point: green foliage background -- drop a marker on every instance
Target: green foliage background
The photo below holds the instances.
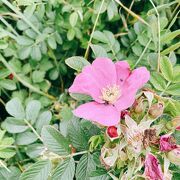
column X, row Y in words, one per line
column 40, row 41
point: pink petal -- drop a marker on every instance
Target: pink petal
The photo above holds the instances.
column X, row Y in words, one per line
column 138, row 78
column 94, row 78
column 152, row 168
column 122, row 71
column 130, row 87
column 103, row 114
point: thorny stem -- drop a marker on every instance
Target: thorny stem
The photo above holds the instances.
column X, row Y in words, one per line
column 34, row 131
column 94, row 27
column 26, row 84
column 159, row 41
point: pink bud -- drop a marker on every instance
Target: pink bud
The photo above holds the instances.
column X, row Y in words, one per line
column 167, row 143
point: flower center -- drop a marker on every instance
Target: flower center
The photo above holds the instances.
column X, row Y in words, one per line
column 111, row 93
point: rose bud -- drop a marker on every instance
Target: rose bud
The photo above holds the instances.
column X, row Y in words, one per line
column 11, row 76
column 112, row 132
column 178, row 128
column 156, row 110
column 138, row 106
column 174, row 156
column 167, row 143
column 176, row 122
column 124, row 113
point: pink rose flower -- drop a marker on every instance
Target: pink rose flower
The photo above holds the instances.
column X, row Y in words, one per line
column 111, row 85
column 166, row 143
column 153, row 169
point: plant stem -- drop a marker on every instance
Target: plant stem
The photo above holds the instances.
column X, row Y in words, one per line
column 159, row 40
column 26, row 84
column 142, row 54
column 7, row 3
column 165, row 88
column 4, row 166
column 34, row 131
column 132, row 13
column 94, row 27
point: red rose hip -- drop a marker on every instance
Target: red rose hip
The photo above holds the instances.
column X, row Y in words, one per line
column 112, row 132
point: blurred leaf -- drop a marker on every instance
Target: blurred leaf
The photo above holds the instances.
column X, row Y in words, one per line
column 26, row 138
column 32, row 110
column 73, row 18
column 8, row 84
column 54, row 141
column 38, row 171
column 166, row 69
column 77, row 63
column 65, row 170
column 15, row 108
column 85, row 166
column 98, row 51
column 174, row 89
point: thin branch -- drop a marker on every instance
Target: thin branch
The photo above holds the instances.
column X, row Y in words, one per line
column 142, row 54
column 26, row 84
column 7, row 3
column 132, row 13
column 34, row 131
column 159, row 39
column 92, row 33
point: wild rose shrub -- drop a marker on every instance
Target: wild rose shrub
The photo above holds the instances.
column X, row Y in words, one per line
column 89, row 90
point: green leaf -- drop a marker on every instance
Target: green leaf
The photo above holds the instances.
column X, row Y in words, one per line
column 166, row 69
column 98, row 51
column 85, row 166
column 38, row 76
column 8, row 84
column 52, row 42
column 34, row 150
column 77, row 135
column 100, row 174
column 13, row 174
column 100, row 36
column 36, row 53
column 171, row 48
column 26, row 138
column 15, row 108
column 4, row 73
column 24, row 40
column 3, row 44
column 43, row 119
column 24, row 52
column 38, row 171
column 80, row 97
column 177, row 136
column 158, row 81
column 65, row 170
column 32, row 110
column 174, row 89
column 55, row 141
column 73, row 18
column 77, row 63
column 7, row 153
column 13, row 125
column 66, row 113
column 169, row 36
column 176, row 74
column 70, row 34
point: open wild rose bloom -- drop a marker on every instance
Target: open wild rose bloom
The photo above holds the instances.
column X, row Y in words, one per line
column 112, row 86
